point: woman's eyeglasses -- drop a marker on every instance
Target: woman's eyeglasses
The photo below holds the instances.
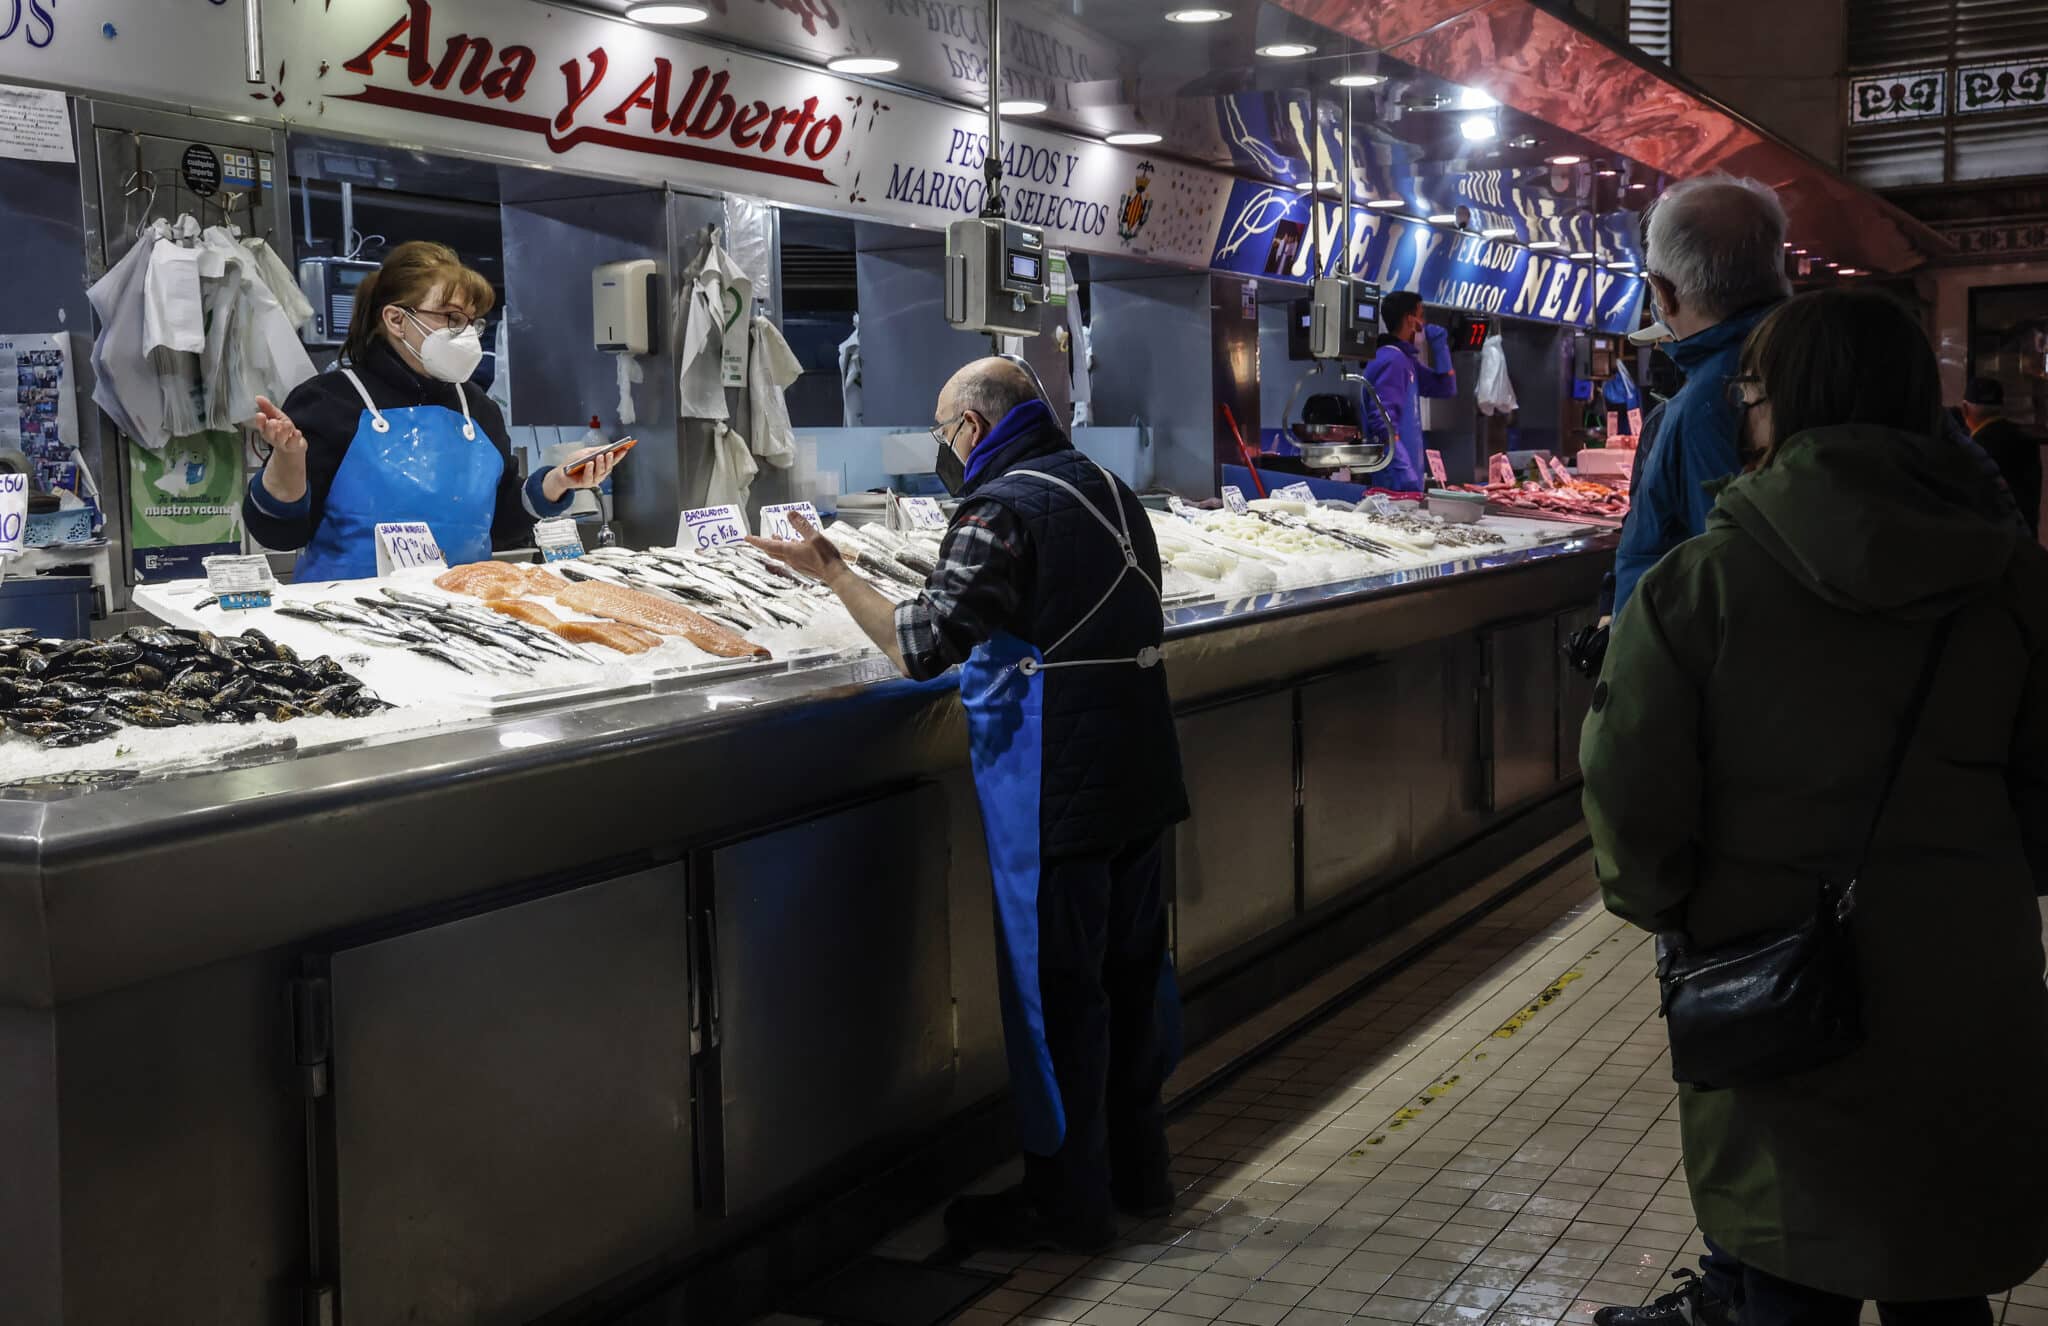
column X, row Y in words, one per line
column 449, row 318
column 1738, row 397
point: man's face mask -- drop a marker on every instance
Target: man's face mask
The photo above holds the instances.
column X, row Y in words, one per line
column 952, row 471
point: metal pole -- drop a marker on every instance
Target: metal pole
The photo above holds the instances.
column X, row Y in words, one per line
column 348, row 220
column 1350, row 164
column 1315, row 187
column 992, row 169
column 252, row 40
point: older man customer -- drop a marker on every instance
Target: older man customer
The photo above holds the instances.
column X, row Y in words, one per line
column 1715, row 266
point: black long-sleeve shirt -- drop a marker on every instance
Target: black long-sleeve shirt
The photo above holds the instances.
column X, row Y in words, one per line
column 328, row 411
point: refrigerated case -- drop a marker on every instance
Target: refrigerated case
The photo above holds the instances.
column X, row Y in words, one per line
column 468, row 1023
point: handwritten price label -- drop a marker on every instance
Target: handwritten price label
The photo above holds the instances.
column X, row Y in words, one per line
column 920, row 513
column 1379, row 506
column 711, row 527
column 407, row 545
column 13, row 513
column 1233, row 497
column 1499, row 472
column 1437, row 473
column 1297, row 492
column 776, row 524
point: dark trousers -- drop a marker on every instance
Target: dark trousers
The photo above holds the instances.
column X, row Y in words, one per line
column 1102, row 946
column 1766, row 1300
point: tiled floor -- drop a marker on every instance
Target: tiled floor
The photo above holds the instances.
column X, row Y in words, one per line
column 1491, row 1136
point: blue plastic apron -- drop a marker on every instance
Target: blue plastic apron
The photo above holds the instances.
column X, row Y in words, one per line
column 1002, row 686
column 421, row 462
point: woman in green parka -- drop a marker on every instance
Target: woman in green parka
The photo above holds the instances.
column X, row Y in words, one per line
column 1733, row 759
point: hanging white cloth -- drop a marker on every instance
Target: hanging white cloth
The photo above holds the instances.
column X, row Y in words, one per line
column 771, row 368
column 851, row 409
column 173, row 310
column 1081, row 358
column 501, row 368
column 124, row 382
column 277, row 278
column 714, row 335
column 732, row 468
column 1493, row 393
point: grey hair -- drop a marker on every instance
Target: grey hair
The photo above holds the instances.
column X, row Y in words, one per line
column 992, row 388
column 1720, row 241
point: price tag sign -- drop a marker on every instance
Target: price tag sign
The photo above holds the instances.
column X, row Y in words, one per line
column 559, row 540
column 406, row 545
column 1297, row 492
column 1499, row 473
column 1234, row 499
column 1178, row 508
column 711, row 527
column 776, row 524
column 13, row 513
column 1437, row 473
column 240, row 582
column 1380, row 505
column 1635, row 423
column 920, row 513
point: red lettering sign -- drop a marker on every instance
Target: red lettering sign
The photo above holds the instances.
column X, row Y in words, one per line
column 723, row 127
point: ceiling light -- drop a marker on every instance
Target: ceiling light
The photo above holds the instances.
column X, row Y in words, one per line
column 1443, row 218
column 862, row 64
column 1478, row 128
column 1834, row 264
column 1135, row 139
column 1387, row 204
column 1850, row 271
column 1580, row 255
column 1327, row 186
column 1566, row 160
column 1799, row 253
column 1606, row 174
column 1625, row 265
column 1498, row 232
column 667, row 15
column 1471, row 98
column 1788, row 244
column 1358, row 80
column 1638, row 186
column 1021, row 107
column 1541, row 244
column 1196, row 15
column 1287, row 50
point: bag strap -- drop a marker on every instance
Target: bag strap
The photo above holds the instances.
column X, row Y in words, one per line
column 1901, row 745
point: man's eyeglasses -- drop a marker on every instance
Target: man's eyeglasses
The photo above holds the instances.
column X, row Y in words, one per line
column 943, row 433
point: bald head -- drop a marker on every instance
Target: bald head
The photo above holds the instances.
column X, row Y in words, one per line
column 1716, row 247
column 990, row 387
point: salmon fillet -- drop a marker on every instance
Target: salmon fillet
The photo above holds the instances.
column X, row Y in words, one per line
column 484, row 580
column 635, row 608
column 613, row 635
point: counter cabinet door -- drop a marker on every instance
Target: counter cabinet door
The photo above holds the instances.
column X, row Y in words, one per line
column 511, row 1105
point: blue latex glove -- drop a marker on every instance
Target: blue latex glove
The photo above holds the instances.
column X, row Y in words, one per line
column 1439, row 347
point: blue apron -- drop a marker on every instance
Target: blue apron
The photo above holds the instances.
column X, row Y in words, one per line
column 1002, row 687
column 421, row 462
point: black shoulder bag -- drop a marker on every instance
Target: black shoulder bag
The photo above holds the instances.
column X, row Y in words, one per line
column 1770, row 1005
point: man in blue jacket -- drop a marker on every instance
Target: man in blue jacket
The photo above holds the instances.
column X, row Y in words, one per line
column 1715, row 266
column 1414, row 361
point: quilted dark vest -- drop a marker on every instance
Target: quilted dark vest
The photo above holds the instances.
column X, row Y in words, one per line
column 1112, row 769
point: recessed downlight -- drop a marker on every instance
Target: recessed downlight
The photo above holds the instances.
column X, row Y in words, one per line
column 1850, row 271
column 1286, row 50
column 1327, row 186
column 1136, row 138
column 1471, row 98
column 1639, row 186
column 1539, row 245
column 1196, row 15
column 1566, row 160
column 1443, row 218
column 667, row 15
column 1477, row 128
column 1606, row 174
column 1021, row 107
column 1387, row 204
column 1358, row 80
column 1581, row 255
column 862, row 64
column 1498, row 232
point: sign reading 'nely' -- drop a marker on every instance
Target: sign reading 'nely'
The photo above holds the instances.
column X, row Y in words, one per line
column 701, row 114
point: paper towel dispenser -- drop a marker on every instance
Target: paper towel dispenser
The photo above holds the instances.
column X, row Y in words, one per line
column 623, row 299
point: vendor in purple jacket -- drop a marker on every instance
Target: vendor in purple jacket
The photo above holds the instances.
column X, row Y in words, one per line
column 1414, row 361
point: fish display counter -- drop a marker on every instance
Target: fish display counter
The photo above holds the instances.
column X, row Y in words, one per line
column 601, row 949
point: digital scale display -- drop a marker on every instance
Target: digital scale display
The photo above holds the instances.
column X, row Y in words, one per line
column 1026, row 267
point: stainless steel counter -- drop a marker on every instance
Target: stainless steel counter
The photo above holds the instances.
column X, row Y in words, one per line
column 462, row 1025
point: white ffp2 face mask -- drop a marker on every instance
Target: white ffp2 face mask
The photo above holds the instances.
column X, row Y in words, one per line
column 451, row 356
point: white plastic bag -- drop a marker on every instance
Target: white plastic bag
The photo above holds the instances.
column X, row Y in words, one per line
column 1493, row 393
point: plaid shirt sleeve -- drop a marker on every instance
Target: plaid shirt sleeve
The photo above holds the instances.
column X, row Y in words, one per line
column 975, row 591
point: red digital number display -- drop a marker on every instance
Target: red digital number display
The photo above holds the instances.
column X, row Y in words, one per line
column 1474, row 334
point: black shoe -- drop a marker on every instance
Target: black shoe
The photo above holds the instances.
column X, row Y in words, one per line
column 1152, row 1200
column 1688, row 1305
column 1012, row 1221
